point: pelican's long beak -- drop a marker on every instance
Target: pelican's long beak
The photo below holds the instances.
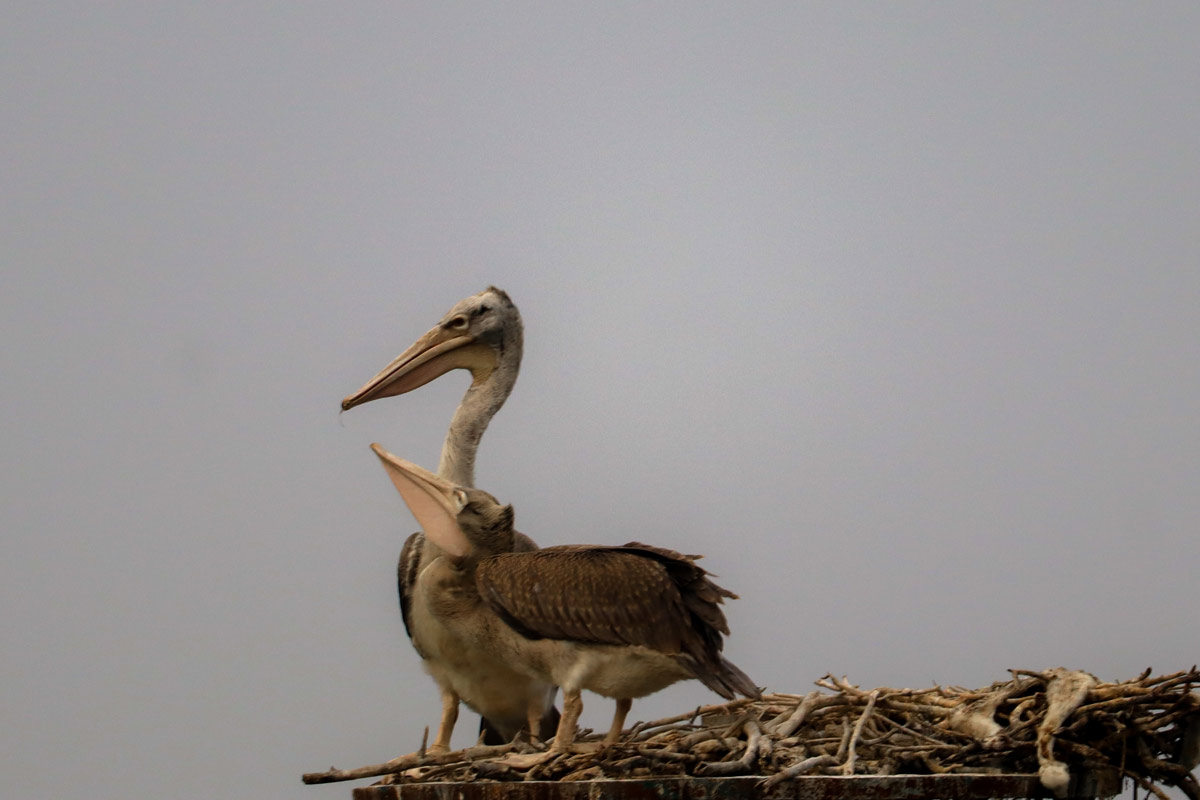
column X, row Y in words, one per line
column 433, row 355
column 434, row 501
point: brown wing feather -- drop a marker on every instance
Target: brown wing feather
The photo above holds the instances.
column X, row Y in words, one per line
column 635, row 594
column 406, row 579
column 600, row 595
column 701, row 596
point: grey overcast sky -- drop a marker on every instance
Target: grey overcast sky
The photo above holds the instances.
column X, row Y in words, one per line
column 892, row 310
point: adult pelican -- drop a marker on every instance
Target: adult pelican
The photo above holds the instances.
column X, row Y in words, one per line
column 622, row 622
column 482, row 333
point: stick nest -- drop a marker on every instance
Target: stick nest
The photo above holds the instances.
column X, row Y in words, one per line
column 1048, row 723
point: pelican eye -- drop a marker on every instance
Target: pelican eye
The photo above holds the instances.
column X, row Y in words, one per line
column 458, row 323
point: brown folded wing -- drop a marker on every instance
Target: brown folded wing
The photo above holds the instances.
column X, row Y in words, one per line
column 598, row 595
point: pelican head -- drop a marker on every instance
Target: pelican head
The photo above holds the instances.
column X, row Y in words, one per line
column 462, row 521
column 481, row 333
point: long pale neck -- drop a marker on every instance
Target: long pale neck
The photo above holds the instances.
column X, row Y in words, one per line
column 480, row 403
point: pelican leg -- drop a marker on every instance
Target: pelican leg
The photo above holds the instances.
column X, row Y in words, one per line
column 563, row 739
column 446, row 728
column 533, row 715
column 618, row 723
column 572, row 708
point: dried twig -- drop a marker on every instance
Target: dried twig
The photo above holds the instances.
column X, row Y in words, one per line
column 788, row 726
column 754, row 741
column 807, row 765
column 851, row 754
column 408, row 762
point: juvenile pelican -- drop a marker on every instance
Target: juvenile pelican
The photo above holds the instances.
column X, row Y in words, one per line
column 482, row 333
column 623, row 622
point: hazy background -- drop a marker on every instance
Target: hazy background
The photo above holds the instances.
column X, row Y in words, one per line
column 892, row 310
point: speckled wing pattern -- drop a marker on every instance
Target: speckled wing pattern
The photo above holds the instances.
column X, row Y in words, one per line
column 634, row 594
column 700, row 595
column 598, row 595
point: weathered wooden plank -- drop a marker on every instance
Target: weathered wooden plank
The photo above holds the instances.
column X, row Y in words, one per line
column 849, row 787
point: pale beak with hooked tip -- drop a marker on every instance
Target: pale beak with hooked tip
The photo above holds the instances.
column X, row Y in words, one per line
column 440, row 350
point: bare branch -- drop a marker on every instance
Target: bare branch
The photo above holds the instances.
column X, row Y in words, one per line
column 848, row 765
column 407, row 762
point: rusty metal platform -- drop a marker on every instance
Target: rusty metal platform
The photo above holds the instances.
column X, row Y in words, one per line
column 851, row 787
